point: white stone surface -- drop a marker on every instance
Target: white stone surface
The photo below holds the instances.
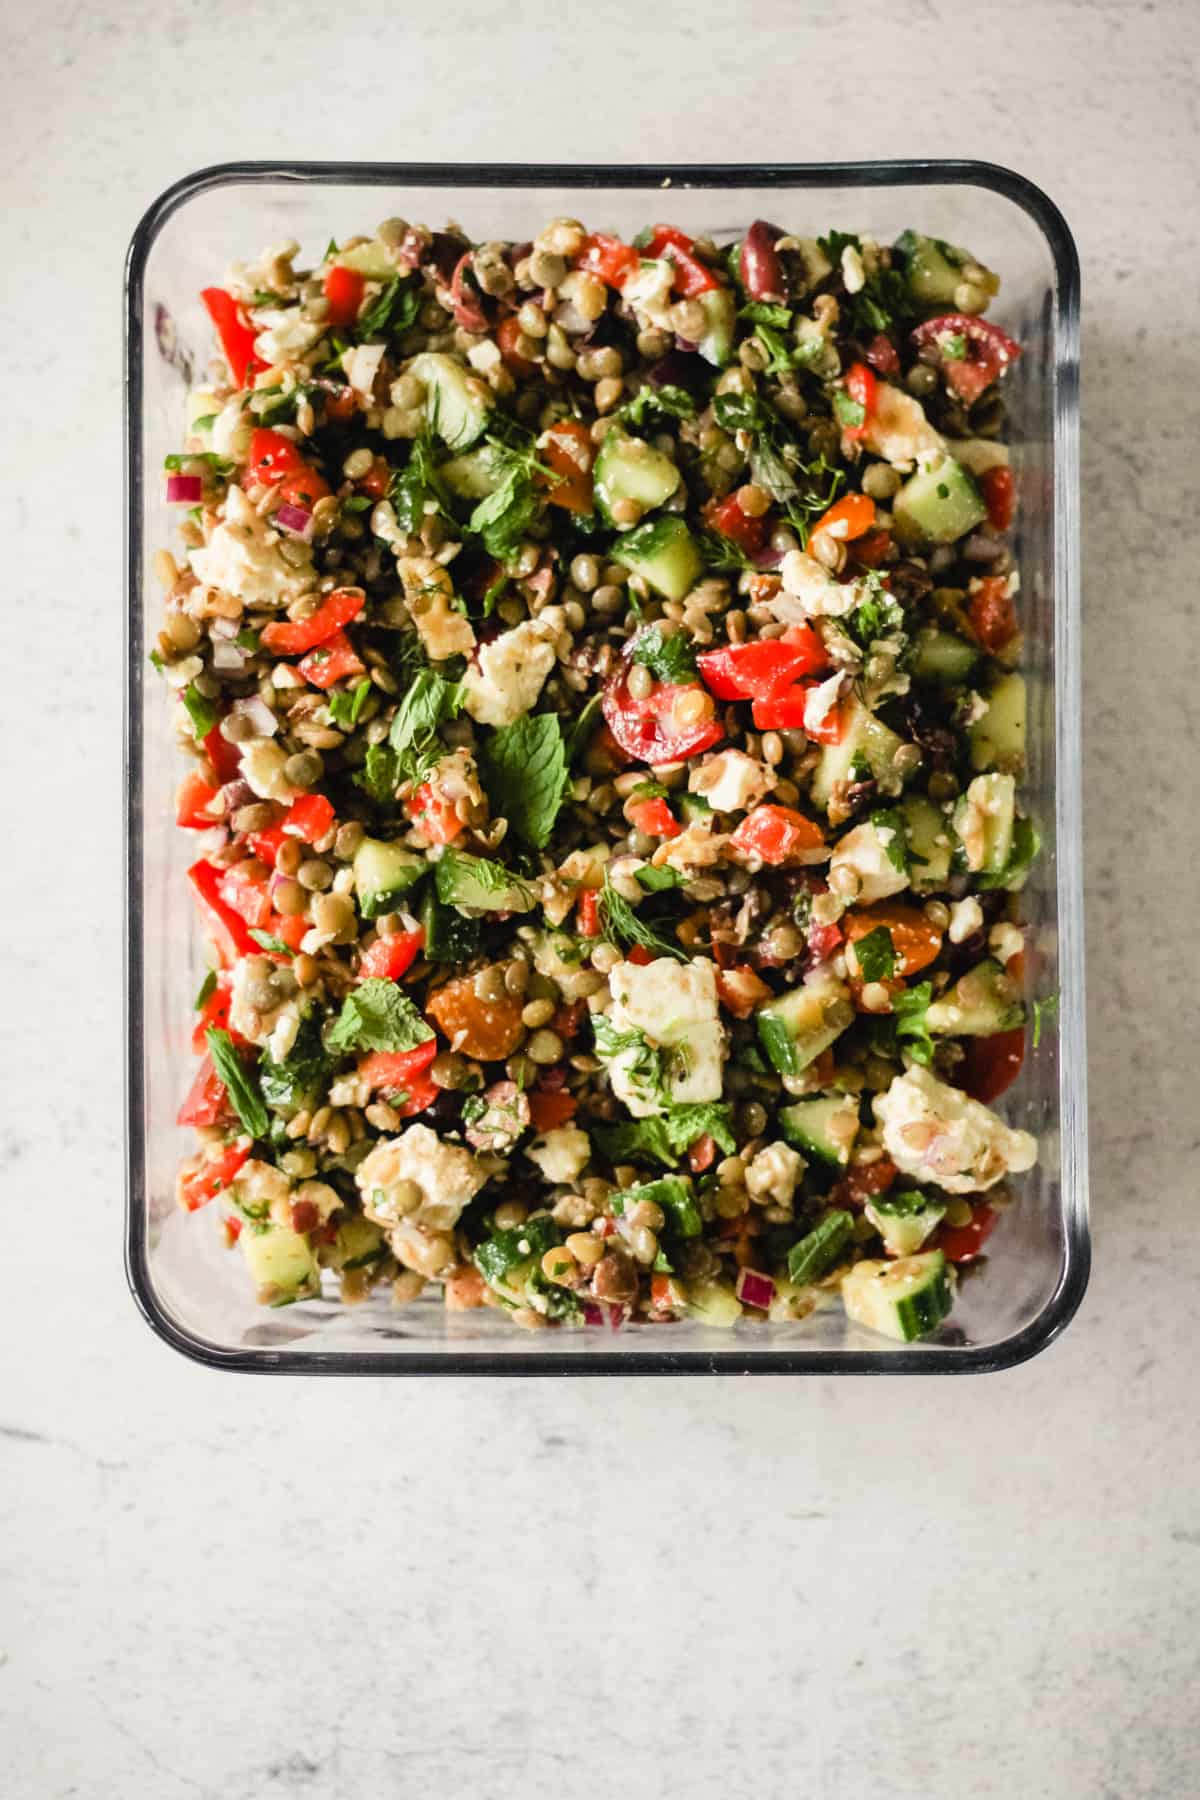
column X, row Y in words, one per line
column 243, row 1589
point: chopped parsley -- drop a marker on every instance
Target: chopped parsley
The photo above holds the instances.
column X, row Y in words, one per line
column 202, row 711
column 669, row 401
column 346, row 705
column 393, row 310
column 875, row 954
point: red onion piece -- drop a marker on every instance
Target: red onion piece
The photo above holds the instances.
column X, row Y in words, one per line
column 259, row 714
column 227, row 657
column 768, row 558
column 184, row 490
column 297, row 521
column 605, row 1312
column 755, row 1289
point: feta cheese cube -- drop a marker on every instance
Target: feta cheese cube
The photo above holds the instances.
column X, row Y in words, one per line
column 446, row 1176
column 560, row 1154
column 241, row 557
column 865, row 851
column 673, row 1007
column 508, row 675
column 966, row 916
column 771, row 1176
column 731, row 781
column 937, row 1134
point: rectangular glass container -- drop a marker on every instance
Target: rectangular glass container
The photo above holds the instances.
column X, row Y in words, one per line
column 186, row 1284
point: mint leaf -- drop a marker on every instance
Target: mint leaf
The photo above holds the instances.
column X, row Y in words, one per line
column 299, row 1078
column 429, row 702
column 668, row 1136
column 200, row 710
column 392, row 311
column 953, row 348
column 656, row 880
column 523, row 767
column 269, row 942
column 503, row 517
column 377, row 1016
column 417, row 488
column 346, row 705
column 240, row 1084
column 672, row 402
column 380, row 774
column 875, row 954
column 673, row 1194
column 669, row 658
column 818, row 1251
column 763, row 312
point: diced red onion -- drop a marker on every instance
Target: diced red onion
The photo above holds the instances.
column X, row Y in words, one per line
column 184, row 490
column 605, row 1312
column 297, row 521
column 754, row 1289
column 768, row 558
column 227, row 657
column 259, row 714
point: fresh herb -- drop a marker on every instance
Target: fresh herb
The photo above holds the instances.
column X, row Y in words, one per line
column 656, row 880
column 331, row 249
column 240, row 1084
column 208, row 987
column 721, row 552
column 247, row 639
column 156, row 662
column 908, row 1013
column 347, row 703
column 782, row 356
column 455, row 867
column 298, row 1079
column 523, row 767
column 675, row 1197
column 804, row 490
column 668, row 658
column 552, row 1300
column 876, row 616
column 643, row 1065
column 846, row 411
column 741, row 412
column 505, row 1250
column 621, row 925
column 377, row 1016
column 504, row 517
column 380, row 774
column 648, row 790
column 818, row 1251
column 884, row 298
column 417, row 490
column 875, row 954
column 953, row 347
column 356, row 503
column 269, row 942
column 430, row 701
column 494, row 593
column 393, row 310
column 205, row 422
column 669, row 401
column 763, row 312
column 888, row 824
column 202, row 711
column 909, row 1204
column 579, row 733
column 1043, row 1009
column 667, row 1136
column 218, row 464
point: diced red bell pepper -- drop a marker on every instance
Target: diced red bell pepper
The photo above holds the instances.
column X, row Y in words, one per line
column 304, row 489
column 273, row 457
column 248, row 892
column 989, row 352
column 293, row 929
column 962, row 1243
column 205, row 1178
column 227, row 927
column 226, row 758
column 609, row 258
column 785, row 712
column 309, row 818
column 847, row 518
column 378, row 479
column 739, row 988
column 884, row 357
column 267, row 844
column 235, row 332
column 861, row 385
column 391, row 957
column 759, row 670
column 568, row 452
column 550, row 1108
column 205, row 1101
column 587, row 913
column 293, row 637
column 870, row 550
column 405, row 1073
column 664, row 236
column 507, row 334
column 999, row 496
column 344, row 289
column 776, row 834
column 334, row 660
column 727, row 517
column 654, row 817
column 990, row 1065
column 692, row 276
column 650, row 730
column 862, row 1182
column 214, row 1015
column 191, row 803
column 992, row 613
column 639, row 955
column 436, row 817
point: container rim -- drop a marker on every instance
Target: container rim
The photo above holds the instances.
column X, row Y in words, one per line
column 1076, row 1264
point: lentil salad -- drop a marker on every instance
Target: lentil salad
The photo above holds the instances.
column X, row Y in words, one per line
column 600, row 665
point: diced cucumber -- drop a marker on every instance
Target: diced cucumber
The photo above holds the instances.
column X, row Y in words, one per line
column 383, row 873
column 457, row 403
column 825, row 1126
column 942, row 656
column 865, row 740
column 663, row 552
column 720, row 311
column 469, row 881
column 981, row 1003
column 450, row 936
column 904, row 1221
column 932, row 268
column 1026, row 842
column 903, row 1299
column 372, row 260
column 794, row 1029
column 998, row 738
column 938, row 504
column 628, row 468
column 281, row 1264
column 930, row 843
column 693, row 807
column 714, row 1303
column 983, row 820
column 472, row 476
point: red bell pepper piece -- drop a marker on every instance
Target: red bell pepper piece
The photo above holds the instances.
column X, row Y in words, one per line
column 654, row 817
column 435, row 817
column 992, row 613
column 776, row 834
column 334, row 660
column 205, row 1100
column 308, row 818
column 692, row 276
column 785, row 712
column 727, row 517
column 990, row 1065
column 756, row 671
column 884, row 357
column 568, row 452
column 226, row 925
column 639, row 955
column 214, row 1016
column 549, row 1108
column 247, row 892
column 378, row 479
column 293, row 637
column 393, row 1071
column 861, row 386
column 273, row 457
column 391, row 957
column 205, row 1178
column 847, row 518
column 870, row 550
column 989, row 352
column 235, row 332
column 226, row 758
column 962, row 1243
column 609, row 258
column 344, row 290
column 267, row 844
column 702, row 1154
column 293, row 929
column 999, row 496
column 865, row 1180
column 587, row 913
column 191, row 802
column 507, row 333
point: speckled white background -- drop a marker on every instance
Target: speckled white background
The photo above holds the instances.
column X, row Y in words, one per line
column 244, row 1589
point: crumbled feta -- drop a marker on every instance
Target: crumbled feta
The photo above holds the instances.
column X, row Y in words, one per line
column 262, row 767
column 179, row 674
column 674, row 1007
column 285, row 334
column 446, row 1178
column 241, row 557
column 1005, row 941
column 454, row 778
column 966, row 916
column 937, row 1134
column 771, row 1176
column 865, row 851
column 262, row 1191
column 361, row 366
column 560, row 1154
column 429, row 596
column 648, row 291
column 731, row 781
column 485, row 355
column 283, row 1031
column 557, row 956
column 820, row 701
column 507, row 677
column 232, row 430
column 698, row 846
column 898, row 430
column 810, row 591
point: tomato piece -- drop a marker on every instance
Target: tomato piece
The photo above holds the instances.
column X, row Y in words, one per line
column 293, row 637
column 654, row 817
column 587, row 913
column 785, row 711
column 194, row 796
column 650, row 730
column 568, row 451
column 235, row 332
column 378, row 479
column 344, row 289
column 989, row 352
column 267, row 844
column 884, row 357
column 308, row 818
column 863, row 388
column 860, row 1183
column 870, row 550
column 757, row 671
column 727, row 517
column 962, row 1243
column 849, row 517
column 740, row 989
column 702, row 1154
column 341, row 405
column 202, row 1178
column 664, row 237
column 692, row 275
column 507, row 333
column 776, row 835
column 273, row 457
column 389, row 1070
column 993, row 614
column 999, row 496
column 246, row 890
column 302, row 489
column 487, row 1029
column 226, row 758
column 608, row 257
column 464, row 1290
column 226, row 926
column 823, row 940
column 205, row 1101
column 435, row 816
column 292, row 930
column 391, row 957
column 915, row 941
column 639, row 955
column 214, row 1015
column 550, row 1108
column 334, row 660
column 990, row 1065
